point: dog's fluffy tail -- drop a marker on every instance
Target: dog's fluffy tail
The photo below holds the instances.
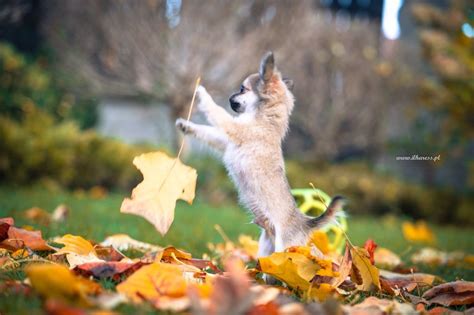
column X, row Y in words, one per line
column 334, row 207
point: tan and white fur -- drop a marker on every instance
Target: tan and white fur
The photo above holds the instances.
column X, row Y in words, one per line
column 251, row 146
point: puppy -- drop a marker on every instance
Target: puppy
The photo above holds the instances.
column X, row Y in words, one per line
column 252, row 154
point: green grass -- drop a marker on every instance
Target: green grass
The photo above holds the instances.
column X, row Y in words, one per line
column 193, row 228
column 94, row 219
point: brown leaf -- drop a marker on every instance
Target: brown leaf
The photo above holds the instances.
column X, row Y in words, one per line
column 4, row 231
column 56, row 307
column 165, row 180
column 108, row 269
column 344, row 268
column 231, row 292
column 407, row 281
column 451, row 293
column 108, row 253
column 170, row 251
column 385, row 258
column 14, row 287
column 30, row 239
column 37, row 215
column 8, row 220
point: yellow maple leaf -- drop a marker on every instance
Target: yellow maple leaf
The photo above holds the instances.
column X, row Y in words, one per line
column 165, row 180
column 75, row 244
column 320, row 239
column 296, row 267
column 57, row 282
column 153, row 281
column 367, row 274
column 418, row 232
column 320, row 292
column 249, row 245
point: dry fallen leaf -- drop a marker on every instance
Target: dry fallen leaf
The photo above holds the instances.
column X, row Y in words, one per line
column 320, row 239
column 154, row 281
column 75, row 245
column 108, row 253
column 418, row 232
column 60, row 214
column 345, row 268
column 108, row 269
column 125, row 242
column 249, row 245
column 385, row 258
column 78, row 250
column 4, row 231
column 37, row 215
column 409, row 281
column 17, row 238
column 165, row 180
column 8, row 220
column 451, row 293
column 366, row 274
column 57, row 282
column 370, row 246
column 297, row 268
column 375, row 306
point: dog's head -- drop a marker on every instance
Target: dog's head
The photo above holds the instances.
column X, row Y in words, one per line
column 262, row 87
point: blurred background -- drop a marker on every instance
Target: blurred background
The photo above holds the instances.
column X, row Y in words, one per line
column 381, row 87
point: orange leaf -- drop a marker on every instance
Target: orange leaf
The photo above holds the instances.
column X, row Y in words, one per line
column 370, row 247
column 153, row 281
column 30, row 239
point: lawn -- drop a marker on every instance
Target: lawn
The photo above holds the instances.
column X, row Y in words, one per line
column 193, row 226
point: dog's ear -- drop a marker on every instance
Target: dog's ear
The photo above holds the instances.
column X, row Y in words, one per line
column 267, row 66
column 289, row 83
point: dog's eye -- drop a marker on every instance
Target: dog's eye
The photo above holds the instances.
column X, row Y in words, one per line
column 242, row 89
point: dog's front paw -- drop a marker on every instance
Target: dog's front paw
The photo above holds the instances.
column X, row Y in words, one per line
column 183, row 125
column 203, row 98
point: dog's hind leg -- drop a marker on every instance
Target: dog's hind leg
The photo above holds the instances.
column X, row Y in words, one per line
column 208, row 134
column 265, row 244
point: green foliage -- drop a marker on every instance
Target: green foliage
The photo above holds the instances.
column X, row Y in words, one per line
column 26, row 83
column 37, row 148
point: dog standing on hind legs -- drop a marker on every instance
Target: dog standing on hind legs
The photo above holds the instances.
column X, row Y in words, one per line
column 252, row 154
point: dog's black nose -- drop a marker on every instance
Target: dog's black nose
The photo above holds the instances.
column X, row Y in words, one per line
column 234, row 105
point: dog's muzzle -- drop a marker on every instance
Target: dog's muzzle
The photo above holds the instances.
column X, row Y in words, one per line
column 236, row 107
